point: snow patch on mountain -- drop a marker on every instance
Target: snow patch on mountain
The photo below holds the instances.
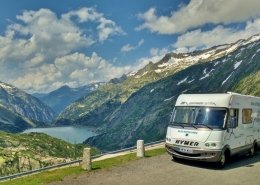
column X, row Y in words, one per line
column 252, row 39
column 227, row 79
column 237, row 64
column 132, row 73
column 224, row 60
column 238, row 55
column 168, row 99
column 182, row 81
column 206, row 74
column 8, row 88
column 216, row 63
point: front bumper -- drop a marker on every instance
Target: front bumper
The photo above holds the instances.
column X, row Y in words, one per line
column 196, row 154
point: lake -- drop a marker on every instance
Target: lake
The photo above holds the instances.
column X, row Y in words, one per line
column 70, row 134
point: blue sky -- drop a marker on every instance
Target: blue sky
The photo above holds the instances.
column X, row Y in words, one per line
column 50, row 43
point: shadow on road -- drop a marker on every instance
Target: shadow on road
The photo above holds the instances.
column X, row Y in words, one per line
column 235, row 162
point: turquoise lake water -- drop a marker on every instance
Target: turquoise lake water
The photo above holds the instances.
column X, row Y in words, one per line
column 70, row 134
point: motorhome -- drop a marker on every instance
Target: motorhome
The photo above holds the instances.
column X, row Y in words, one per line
column 214, row 127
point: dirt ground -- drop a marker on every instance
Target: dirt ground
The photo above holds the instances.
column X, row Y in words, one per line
column 161, row 170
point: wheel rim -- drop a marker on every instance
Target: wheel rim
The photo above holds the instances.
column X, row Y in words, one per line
column 223, row 159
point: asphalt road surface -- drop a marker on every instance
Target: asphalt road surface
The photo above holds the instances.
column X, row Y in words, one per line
column 162, row 170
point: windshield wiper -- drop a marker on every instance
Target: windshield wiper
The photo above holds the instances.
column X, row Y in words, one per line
column 175, row 123
column 188, row 125
column 205, row 125
column 183, row 125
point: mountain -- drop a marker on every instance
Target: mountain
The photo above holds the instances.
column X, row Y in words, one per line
column 19, row 110
column 145, row 114
column 13, row 122
column 65, row 95
column 23, row 152
column 95, row 108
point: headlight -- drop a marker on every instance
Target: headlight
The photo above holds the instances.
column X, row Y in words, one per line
column 213, row 144
column 168, row 139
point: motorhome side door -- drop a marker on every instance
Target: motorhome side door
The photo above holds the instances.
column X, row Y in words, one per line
column 235, row 135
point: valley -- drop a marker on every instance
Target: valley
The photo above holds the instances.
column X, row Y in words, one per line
column 135, row 106
column 139, row 106
column 105, row 74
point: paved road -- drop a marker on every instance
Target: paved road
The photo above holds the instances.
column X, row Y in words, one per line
column 161, row 170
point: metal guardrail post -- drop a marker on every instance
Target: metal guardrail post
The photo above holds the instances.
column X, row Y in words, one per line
column 86, row 160
column 140, row 148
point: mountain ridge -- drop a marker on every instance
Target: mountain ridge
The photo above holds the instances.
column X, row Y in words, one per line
column 83, row 110
column 22, row 108
column 145, row 115
column 65, row 95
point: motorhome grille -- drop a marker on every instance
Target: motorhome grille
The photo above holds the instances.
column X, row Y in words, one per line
column 185, row 154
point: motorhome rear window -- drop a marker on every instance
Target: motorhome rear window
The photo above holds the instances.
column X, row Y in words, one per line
column 247, row 116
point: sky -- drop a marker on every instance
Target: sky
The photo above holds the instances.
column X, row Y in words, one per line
column 47, row 44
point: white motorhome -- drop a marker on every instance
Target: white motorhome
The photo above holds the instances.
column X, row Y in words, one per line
column 213, row 127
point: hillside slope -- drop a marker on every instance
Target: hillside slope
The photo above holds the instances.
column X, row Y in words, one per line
column 23, row 152
column 24, row 104
column 95, row 108
column 146, row 112
column 250, row 84
column 13, row 122
column 19, row 110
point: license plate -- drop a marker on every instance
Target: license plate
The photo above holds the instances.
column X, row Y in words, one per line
column 186, row 150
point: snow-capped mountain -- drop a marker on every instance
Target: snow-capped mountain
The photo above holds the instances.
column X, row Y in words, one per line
column 145, row 114
column 173, row 62
column 110, row 96
column 138, row 106
column 24, row 105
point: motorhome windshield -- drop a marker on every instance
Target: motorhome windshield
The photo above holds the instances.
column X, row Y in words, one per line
column 199, row 117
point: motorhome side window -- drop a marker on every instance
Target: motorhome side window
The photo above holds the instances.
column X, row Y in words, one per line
column 247, row 116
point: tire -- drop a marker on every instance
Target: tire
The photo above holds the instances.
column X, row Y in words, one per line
column 223, row 160
column 252, row 150
column 175, row 158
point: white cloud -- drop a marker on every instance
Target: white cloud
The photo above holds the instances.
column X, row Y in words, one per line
column 158, row 52
column 105, row 28
column 156, row 55
column 74, row 70
column 126, row 48
column 198, row 13
column 108, row 28
column 140, row 43
column 31, row 48
column 84, row 14
column 219, row 35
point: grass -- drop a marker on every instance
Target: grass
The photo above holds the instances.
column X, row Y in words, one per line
column 2, row 160
column 59, row 174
